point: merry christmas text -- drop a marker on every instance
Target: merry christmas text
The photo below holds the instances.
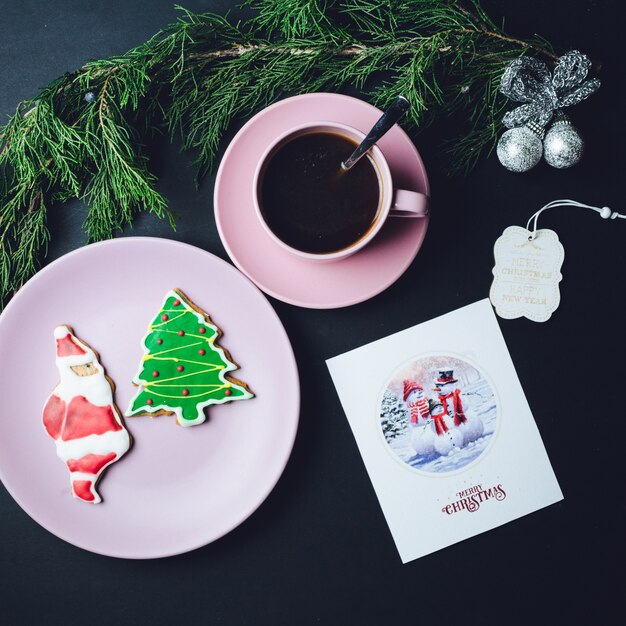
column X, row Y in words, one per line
column 471, row 499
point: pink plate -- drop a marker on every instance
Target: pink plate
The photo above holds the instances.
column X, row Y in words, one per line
column 276, row 271
column 177, row 488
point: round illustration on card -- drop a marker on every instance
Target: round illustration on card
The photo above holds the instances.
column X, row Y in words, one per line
column 438, row 413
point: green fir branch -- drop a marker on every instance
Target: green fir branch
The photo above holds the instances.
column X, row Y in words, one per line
column 297, row 19
column 82, row 136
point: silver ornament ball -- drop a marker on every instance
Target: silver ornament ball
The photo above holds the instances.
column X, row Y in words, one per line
column 519, row 149
column 563, row 146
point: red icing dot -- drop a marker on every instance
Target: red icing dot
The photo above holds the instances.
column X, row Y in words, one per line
column 227, row 392
column 202, row 352
column 165, row 317
column 149, row 401
column 155, row 373
column 181, row 333
column 202, row 330
column 159, row 341
column 176, row 302
column 185, row 392
column 180, row 368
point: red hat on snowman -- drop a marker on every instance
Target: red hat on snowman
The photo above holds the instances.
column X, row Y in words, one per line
column 409, row 386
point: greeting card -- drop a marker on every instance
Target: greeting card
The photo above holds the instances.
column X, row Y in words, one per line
column 444, row 429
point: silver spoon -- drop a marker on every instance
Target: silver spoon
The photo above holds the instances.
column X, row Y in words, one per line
column 397, row 109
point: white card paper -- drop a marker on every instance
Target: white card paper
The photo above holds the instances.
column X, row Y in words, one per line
column 445, row 430
column 527, row 274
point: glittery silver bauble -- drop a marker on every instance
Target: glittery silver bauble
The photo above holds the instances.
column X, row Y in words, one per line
column 563, row 146
column 519, row 149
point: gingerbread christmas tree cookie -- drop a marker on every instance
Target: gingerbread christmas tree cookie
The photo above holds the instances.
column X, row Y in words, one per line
column 183, row 369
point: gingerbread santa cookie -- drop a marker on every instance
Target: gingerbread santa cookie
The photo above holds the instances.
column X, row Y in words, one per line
column 81, row 416
column 183, row 369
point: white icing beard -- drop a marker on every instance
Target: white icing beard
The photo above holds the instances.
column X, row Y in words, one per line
column 95, row 388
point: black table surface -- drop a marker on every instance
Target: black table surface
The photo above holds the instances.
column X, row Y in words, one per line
column 318, row 549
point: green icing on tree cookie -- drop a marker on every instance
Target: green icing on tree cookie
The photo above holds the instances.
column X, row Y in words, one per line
column 183, row 369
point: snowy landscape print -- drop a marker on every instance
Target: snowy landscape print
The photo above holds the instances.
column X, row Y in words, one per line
column 438, row 413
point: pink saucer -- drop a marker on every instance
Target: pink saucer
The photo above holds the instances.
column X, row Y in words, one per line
column 282, row 275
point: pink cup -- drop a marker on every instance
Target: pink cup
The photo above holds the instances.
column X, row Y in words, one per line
column 392, row 202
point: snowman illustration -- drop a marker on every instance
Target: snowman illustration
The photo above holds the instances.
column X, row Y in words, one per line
column 449, row 396
column 416, row 401
column 422, row 435
column 447, row 438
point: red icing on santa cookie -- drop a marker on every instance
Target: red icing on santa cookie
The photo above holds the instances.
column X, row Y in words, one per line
column 84, row 418
column 90, row 463
column 83, row 490
column 81, row 416
column 53, row 415
column 67, row 347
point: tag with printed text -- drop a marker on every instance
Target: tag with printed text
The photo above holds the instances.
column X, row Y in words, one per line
column 527, row 274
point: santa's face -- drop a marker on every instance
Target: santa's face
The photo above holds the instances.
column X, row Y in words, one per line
column 415, row 395
column 447, row 388
column 88, row 369
column 84, row 378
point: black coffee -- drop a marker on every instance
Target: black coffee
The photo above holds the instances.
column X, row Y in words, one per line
column 309, row 202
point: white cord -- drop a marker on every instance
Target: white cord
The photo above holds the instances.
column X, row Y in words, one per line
column 605, row 212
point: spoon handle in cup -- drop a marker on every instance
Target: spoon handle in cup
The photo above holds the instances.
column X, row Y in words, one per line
column 397, row 109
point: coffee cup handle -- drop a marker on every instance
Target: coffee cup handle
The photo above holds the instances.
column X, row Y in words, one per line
column 409, row 204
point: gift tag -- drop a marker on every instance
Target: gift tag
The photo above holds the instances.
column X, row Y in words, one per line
column 527, row 274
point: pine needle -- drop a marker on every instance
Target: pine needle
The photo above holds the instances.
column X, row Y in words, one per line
column 82, row 136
